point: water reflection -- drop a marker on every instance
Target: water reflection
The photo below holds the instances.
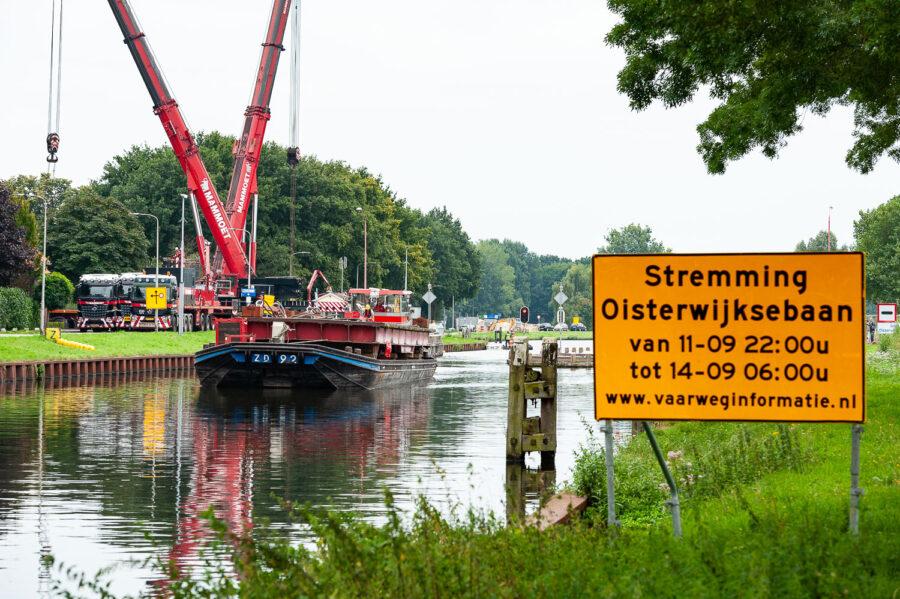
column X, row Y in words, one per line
column 87, row 470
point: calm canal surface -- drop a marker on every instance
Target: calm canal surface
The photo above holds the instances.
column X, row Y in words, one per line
column 96, row 475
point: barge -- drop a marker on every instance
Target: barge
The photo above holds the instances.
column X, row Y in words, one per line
column 374, row 342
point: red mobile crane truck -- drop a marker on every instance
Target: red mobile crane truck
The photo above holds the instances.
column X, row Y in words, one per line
column 217, row 292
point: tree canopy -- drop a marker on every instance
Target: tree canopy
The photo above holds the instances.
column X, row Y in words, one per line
column 513, row 276
column 819, row 243
column 91, row 233
column 332, row 201
column 18, row 255
column 632, row 239
column 767, row 63
column 877, row 233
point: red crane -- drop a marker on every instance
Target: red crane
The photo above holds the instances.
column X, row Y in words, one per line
column 226, row 222
column 248, row 148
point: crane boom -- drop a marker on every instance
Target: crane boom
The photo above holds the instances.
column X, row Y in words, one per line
column 166, row 108
column 248, row 148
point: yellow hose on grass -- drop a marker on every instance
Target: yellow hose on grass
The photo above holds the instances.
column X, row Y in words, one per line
column 75, row 344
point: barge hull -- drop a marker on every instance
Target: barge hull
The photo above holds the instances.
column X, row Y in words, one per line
column 304, row 365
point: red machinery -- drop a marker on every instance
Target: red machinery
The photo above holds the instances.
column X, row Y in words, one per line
column 226, row 222
column 312, row 280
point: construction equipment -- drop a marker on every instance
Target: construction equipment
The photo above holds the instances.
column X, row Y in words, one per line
column 312, row 280
column 234, row 262
column 56, row 28
column 226, row 221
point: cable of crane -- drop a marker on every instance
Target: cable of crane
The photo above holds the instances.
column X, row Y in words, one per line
column 55, row 68
column 293, row 151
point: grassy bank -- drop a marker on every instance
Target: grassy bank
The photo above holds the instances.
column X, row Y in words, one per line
column 765, row 510
column 120, row 343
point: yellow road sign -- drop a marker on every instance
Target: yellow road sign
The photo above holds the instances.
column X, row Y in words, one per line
column 774, row 337
column 575, row 320
column 156, row 298
column 52, row 334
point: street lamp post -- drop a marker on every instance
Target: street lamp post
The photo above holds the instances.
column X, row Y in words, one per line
column 155, row 310
column 291, row 267
column 365, row 249
column 43, row 259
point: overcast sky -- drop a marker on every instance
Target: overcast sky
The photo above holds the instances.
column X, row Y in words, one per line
column 505, row 112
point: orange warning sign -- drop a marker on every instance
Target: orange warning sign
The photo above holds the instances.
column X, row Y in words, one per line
column 776, row 337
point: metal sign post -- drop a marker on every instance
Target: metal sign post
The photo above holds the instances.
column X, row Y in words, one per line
column 429, row 297
column 855, row 491
column 560, row 313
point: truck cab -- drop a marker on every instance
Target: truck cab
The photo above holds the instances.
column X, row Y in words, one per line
column 97, row 297
column 126, row 287
column 142, row 317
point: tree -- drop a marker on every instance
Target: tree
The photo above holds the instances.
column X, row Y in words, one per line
column 58, row 291
column 17, row 257
column 457, row 262
column 877, row 233
column 90, row 233
column 150, row 180
column 497, row 291
column 819, row 243
column 767, row 63
column 577, row 286
column 632, row 239
column 53, row 189
column 327, row 223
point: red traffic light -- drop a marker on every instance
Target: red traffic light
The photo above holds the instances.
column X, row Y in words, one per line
column 523, row 314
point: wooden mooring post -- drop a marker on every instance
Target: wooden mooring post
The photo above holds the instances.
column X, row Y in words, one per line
column 535, row 433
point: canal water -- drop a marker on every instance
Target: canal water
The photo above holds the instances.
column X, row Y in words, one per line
column 117, row 470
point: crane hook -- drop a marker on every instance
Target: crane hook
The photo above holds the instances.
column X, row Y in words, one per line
column 52, row 147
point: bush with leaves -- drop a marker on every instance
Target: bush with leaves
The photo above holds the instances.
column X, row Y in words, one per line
column 58, row 291
column 15, row 309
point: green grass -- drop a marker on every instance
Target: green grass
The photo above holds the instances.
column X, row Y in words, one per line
column 120, row 343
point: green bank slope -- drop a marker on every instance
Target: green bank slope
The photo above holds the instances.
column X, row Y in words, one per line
column 120, row 343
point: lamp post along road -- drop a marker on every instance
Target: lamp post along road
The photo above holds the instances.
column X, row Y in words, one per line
column 46, row 203
column 291, row 266
column 156, row 278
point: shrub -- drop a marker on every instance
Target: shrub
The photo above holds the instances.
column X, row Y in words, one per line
column 58, row 291
column 15, row 309
column 704, row 463
column 884, row 342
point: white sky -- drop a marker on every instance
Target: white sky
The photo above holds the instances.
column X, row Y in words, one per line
column 506, row 112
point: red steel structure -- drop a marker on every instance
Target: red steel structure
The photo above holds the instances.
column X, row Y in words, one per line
column 248, row 148
column 226, row 222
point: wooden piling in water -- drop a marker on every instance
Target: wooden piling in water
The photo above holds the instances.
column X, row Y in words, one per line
column 536, row 433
